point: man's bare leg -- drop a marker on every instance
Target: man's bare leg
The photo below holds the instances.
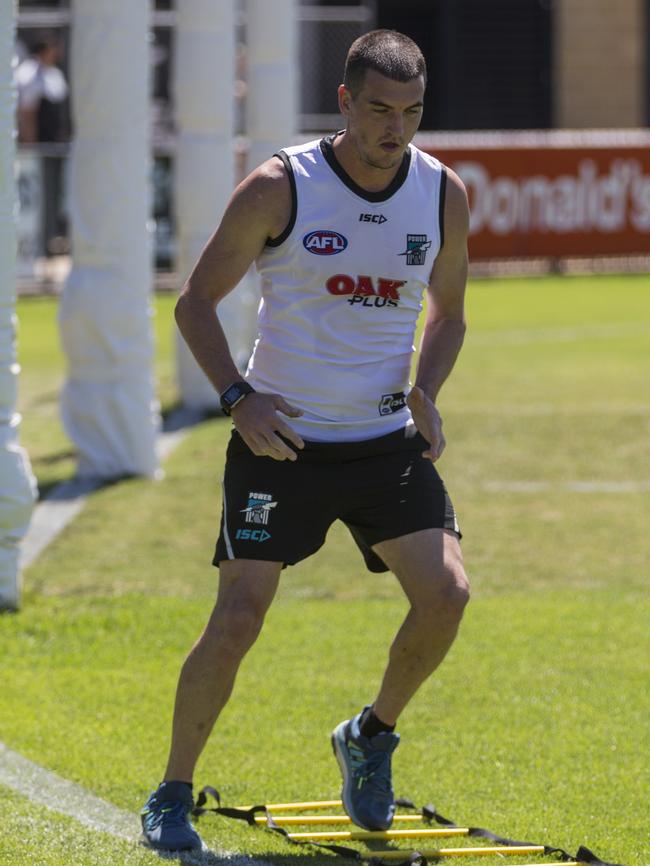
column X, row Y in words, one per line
column 429, row 566
column 246, row 590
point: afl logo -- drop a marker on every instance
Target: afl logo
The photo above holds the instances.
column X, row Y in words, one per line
column 323, row 242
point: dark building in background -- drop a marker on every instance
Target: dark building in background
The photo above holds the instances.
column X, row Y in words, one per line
column 489, row 63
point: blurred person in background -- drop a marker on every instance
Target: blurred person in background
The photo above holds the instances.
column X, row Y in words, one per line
column 43, row 117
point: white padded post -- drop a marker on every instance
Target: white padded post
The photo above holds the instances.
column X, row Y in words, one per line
column 271, row 39
column 204, row 168
column 17, row 484
column 108, row 402
column 271, row 108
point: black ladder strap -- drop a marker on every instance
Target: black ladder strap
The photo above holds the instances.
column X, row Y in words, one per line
column 428, row 813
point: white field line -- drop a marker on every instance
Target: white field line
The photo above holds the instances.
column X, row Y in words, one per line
column 43, row 786
column 52, row 515
column 46, row 788
column 60, row 795
column 64, row 503
column 591, row 486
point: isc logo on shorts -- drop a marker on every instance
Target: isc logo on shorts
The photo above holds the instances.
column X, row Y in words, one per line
column 258, row 510
column 252, row 535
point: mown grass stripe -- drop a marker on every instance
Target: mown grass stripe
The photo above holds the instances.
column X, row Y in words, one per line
column 587, row 486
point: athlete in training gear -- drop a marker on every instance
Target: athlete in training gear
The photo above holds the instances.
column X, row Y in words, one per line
column 349, row 234
column 342, row 293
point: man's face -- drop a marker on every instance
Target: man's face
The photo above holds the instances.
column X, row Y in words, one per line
column 50, row 54
column 383, row 117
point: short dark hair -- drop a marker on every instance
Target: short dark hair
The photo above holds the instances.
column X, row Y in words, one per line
column 42, row 43
column 386, row 51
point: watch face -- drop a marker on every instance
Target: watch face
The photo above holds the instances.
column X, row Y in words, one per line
column 231, row 394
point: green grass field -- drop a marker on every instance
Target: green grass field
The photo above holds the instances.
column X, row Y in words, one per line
column 536, row 726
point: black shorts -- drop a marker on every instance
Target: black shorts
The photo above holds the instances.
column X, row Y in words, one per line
column 280, row 511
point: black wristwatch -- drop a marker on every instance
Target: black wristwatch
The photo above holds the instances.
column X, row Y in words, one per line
column 234, row 394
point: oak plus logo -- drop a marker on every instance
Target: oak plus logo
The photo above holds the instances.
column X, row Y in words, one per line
column 324, row 242
column 365, row 290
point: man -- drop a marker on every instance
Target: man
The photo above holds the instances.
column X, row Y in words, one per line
column 348, row 234
column 42, row 95
column 43, row 117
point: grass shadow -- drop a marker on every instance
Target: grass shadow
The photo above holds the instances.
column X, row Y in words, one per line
column 208, row 857
column 176, row 417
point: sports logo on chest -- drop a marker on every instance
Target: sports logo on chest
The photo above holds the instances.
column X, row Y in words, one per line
column 324, row 242
column 416, row 249
column 366, row 290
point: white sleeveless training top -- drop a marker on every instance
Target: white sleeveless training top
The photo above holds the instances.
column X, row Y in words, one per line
column 342, row 289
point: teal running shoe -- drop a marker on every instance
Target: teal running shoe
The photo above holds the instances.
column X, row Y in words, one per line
column 367, row 791
column 165, row 818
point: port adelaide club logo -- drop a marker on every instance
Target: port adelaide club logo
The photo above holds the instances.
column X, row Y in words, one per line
column 416, row 249
column 324, row 242
column 257, row 511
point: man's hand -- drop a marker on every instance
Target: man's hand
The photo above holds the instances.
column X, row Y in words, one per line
column 428, row 421
column 257, row 420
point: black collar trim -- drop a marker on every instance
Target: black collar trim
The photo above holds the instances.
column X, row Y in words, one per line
column 327, row 149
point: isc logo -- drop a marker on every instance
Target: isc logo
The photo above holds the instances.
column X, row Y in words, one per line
column 252, row 534
column 390, row 403
column 324, row 242
column 378, row 218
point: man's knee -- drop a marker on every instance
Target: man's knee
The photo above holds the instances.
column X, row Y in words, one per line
column 238, row 622
column 246, row 591
column 453, row 579
column 453, row 562
column 455, row 589
column 447, row 592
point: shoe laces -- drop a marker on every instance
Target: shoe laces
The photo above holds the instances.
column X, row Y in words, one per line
column 373, row 770
column 168, row 814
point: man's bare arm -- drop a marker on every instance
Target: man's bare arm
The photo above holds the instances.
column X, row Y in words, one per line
column 259, row 208
column 252, row 215
column 444, row 328
column 27, row 125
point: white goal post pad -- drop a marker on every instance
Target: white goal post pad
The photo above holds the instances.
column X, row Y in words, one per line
column 17, row 483
column 108, row 403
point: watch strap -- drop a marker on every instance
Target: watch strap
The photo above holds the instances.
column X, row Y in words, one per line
column 234, row 394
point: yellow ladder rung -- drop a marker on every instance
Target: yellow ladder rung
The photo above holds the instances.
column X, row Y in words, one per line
column 515, row 850
column 325, row 819
column 360, row 835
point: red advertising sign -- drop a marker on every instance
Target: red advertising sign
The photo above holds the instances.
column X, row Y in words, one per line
column 552, row 194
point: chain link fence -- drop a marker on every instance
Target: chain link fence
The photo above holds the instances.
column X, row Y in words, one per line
column 325, row 35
